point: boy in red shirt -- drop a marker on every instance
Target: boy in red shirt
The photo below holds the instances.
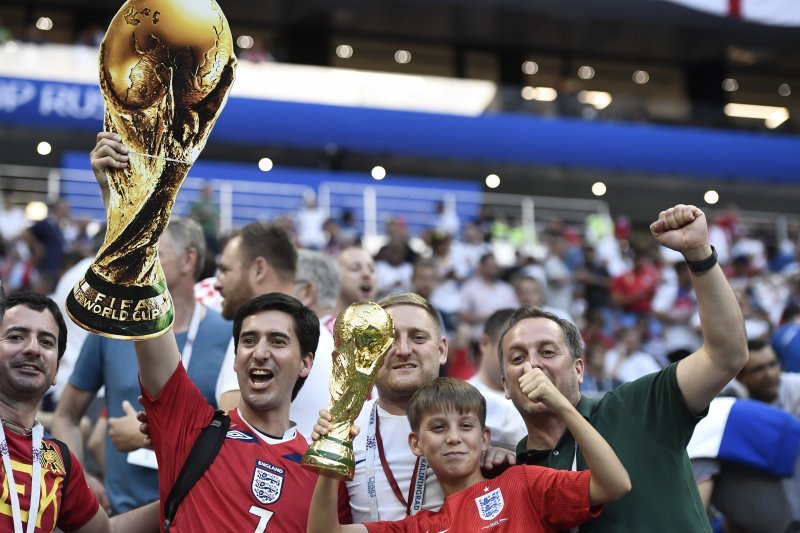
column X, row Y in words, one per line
column 448, row 427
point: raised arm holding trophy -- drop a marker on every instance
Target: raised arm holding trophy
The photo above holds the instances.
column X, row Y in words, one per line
column 166, row 67
column 362, row 335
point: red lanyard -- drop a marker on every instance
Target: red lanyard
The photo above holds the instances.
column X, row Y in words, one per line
column 388, row 471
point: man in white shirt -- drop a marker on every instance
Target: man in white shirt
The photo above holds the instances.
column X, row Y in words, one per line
column 766, row 382
column 508, row 427
column 261, row 259
column 483, row 295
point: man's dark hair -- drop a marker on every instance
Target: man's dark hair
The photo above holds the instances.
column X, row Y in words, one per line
column 306, row 323
column 571, row 334
column 40, row 303
column 273, row 243
column 494, row 324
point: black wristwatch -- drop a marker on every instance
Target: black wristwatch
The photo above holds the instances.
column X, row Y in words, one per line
column 704, row 264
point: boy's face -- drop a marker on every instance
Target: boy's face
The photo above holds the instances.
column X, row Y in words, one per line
column 452, row 442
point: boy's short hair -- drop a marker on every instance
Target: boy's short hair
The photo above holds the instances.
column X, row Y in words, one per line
column 443, row 395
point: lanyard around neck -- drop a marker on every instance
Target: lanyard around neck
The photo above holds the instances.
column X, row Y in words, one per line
column 36, row 479
column 416, row 490
column 194, row 326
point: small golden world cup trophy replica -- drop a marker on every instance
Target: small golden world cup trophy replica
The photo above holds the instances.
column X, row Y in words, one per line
column 362, row 335
column 166, row 67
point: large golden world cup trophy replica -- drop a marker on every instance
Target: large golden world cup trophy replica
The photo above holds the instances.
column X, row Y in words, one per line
column 166, row 67
column 362, row 335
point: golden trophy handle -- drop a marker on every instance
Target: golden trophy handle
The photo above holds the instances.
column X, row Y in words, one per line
column 362, row 335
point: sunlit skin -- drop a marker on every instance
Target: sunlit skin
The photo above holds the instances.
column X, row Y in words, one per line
column 425, row 280
column 540, row 342
column 358, row 276
column 762, row 375
column 414, row 358
column 28, row 360
column 268, row 363
column 453, row 444
column 233, row 280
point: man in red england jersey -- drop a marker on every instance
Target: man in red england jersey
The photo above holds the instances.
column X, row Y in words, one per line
column 255, row 482
column 448, row 421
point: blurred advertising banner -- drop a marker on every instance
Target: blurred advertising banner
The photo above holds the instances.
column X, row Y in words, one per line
column 771, row 12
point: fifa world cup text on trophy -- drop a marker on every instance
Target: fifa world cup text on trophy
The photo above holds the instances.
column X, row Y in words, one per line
column 362, row 335
column 166, row 67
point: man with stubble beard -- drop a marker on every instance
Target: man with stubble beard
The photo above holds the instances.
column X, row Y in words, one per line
column 261, row 258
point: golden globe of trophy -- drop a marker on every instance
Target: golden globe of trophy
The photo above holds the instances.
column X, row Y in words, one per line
column 362, row 335
column 166, row 67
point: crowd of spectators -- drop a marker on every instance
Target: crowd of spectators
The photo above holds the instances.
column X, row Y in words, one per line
column 633, row 302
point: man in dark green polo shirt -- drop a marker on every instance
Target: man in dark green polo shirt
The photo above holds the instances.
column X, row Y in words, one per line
column 649, row 421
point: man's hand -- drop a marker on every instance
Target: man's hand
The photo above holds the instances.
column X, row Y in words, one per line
column 109, row 152
column 538, row 387
column 496, row 460
column 125, row 430
column 324, row 426
column 144, row 427
column 684, row 229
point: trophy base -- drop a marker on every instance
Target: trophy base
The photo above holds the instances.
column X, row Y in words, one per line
column 118, row 311
column 332, row 457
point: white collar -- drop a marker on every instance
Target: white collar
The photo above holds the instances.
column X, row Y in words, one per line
column 288, row 435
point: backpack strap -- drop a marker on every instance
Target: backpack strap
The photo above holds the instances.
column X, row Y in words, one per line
column 203, row 452
column 66, row 458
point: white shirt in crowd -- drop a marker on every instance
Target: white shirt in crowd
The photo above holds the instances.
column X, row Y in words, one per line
column 483, row 299
column 633, row 367
column 502, row 417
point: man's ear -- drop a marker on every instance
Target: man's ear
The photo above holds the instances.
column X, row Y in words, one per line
column 413, row 443
column 579, row 367
column 486, row 439
column 190, row 259
column 505, row 384
column 307, row 361
column 442, row 350
column 260, row 269
column 307, row 293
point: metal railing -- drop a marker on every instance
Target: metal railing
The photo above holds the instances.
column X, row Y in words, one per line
column 241, row 202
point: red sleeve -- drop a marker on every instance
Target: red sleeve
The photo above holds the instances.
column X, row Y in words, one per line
column 345, row 513
column 176, row 417
column 426, row 521
column 79, row 504
column 618, row 284
column 560, row 497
